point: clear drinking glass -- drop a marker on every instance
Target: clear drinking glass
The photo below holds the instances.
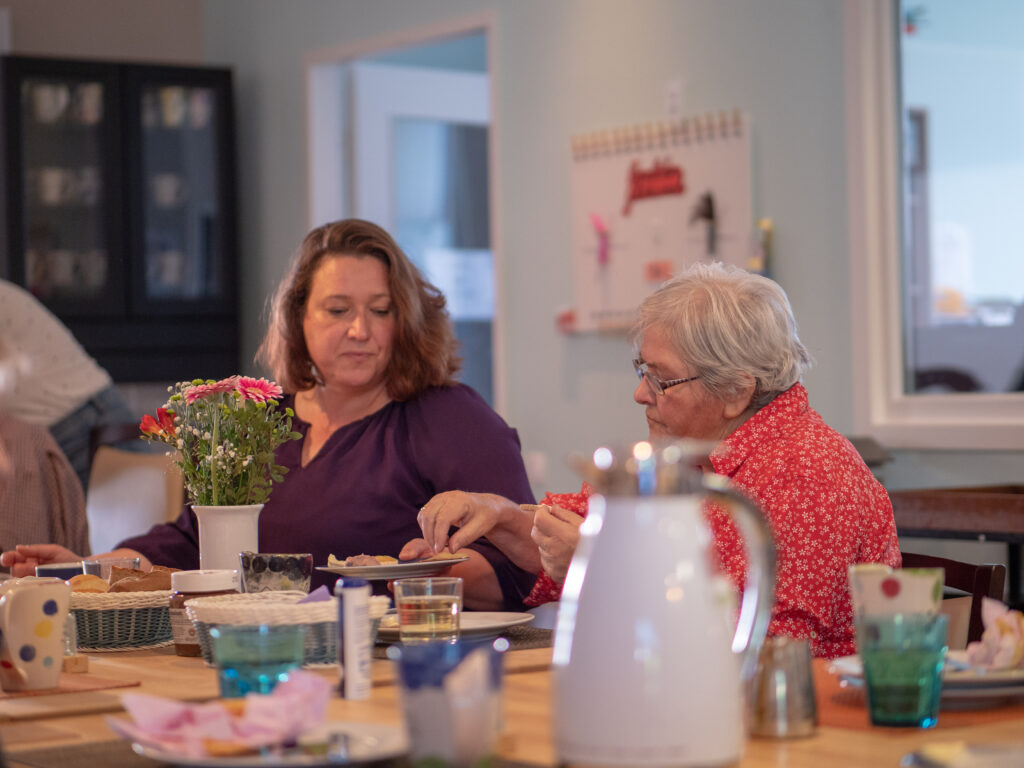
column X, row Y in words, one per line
column 428, row 609
column 903, row 655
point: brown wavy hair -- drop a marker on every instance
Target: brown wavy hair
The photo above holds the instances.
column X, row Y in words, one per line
column 424, row 351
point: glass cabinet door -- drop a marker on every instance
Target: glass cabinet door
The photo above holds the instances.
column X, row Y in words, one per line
column 180, row 193
column 66, row 250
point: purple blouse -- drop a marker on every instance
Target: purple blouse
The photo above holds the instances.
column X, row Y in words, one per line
column 361, row 493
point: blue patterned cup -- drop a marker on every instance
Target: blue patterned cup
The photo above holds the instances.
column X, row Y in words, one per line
column 262, row 572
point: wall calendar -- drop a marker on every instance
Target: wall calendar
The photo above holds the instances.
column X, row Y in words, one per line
column 649, row 201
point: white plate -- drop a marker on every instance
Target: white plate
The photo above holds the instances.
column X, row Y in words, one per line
column 471, row 623
column 367, row 743
column 393, row 570
column 957, row 684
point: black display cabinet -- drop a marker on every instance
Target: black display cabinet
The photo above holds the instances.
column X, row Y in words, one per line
column 119, row 209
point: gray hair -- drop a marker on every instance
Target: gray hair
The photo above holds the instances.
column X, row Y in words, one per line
column 731, row 326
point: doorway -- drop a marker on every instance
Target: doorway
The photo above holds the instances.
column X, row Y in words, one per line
column 400, row 135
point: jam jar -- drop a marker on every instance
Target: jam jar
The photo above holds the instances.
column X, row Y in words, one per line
column 185, row 586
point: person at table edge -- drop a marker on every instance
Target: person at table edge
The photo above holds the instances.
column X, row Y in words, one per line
column 367, row 348
column 720, row 360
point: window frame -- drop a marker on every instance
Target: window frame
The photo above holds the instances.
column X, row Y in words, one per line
column 882, row 408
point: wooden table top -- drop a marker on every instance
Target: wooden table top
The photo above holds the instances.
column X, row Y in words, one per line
column 528, row 734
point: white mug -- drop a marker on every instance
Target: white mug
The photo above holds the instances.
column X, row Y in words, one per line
column 49, row 100
column 168, row 190
column 173, row 106
column 56, row 185
column 62, row 268
column 32, row 616
column 88, row 109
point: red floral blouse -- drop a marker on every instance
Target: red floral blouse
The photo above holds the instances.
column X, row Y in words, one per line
column 826, row 510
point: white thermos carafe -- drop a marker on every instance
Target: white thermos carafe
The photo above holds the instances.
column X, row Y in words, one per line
column 649, row 658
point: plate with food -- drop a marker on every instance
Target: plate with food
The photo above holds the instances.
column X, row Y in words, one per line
column 329, row 744
column 471, row 624
column 384, row 567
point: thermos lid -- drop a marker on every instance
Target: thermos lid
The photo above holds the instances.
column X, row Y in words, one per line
column 646, row 469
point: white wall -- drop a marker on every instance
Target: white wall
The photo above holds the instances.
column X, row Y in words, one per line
column 562, row 68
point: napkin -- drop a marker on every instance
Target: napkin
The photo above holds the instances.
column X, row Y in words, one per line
column 319, row 595
column 1002, row 643
column 217, row 728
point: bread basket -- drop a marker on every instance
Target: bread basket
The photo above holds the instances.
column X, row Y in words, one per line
column 274, row 608
column 122, row 620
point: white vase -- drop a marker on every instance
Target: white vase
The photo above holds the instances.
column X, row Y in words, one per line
column 224, row 531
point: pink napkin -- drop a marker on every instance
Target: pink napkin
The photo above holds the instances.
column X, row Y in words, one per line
column 294, row 706
column 1002, row 643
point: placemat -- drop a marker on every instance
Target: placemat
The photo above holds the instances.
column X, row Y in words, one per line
column 519, row 637
column 846, row 707
column 119, row 754
column 73, row 683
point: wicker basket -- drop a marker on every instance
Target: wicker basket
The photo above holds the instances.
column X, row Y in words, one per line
column 122, row 620
column 274, row 608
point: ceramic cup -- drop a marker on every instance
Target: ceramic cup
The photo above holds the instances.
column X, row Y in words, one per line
column 32, row 615
column 49, row 101
column 265, row 572
column 88, row 103
column 173, row 106
column 168, row 190
column 56, row 185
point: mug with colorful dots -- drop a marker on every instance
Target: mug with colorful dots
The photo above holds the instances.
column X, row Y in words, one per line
column 32, row 615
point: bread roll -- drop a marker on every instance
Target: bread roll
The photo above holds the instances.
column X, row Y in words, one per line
column 117, row 573
column 88, row 582
column 148, row 582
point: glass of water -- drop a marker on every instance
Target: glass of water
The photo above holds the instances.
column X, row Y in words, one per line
column 428, row 609
column 255, row 658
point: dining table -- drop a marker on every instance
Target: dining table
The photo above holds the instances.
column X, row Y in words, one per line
column 69, row 728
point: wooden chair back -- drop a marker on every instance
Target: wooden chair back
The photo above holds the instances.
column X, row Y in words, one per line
column 978, row 581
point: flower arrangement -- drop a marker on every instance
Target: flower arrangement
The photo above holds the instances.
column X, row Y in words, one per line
column 225, row 433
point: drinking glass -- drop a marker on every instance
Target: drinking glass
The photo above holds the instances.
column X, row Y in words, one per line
column 903, row 655
column 101, row 566
column 428, row 609
column 451, row 699
column 255, row 658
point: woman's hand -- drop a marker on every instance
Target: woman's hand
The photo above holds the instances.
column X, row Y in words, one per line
column 556, row 532
column 24, row 558
column 501, row 520
column 474, row 514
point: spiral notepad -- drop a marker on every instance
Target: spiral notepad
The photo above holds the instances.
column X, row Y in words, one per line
column 649, row 200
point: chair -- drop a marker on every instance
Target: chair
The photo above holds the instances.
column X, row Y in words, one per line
column 129, row 491
column 978, row 581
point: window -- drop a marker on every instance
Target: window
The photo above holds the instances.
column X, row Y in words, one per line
column 935, row 162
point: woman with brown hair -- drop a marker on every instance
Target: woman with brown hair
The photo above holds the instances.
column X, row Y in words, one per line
column 364, row 347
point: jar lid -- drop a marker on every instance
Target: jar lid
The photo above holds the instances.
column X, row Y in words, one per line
column 204, row 581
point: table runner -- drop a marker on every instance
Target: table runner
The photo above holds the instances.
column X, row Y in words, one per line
column 519, row 637
column 119, row 754
column 846, row 707
column 73, row 683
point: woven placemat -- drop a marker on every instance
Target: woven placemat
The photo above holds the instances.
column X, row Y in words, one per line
column 119, row 754
column 520, row 638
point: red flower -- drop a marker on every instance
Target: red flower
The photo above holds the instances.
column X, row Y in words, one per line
column 257, row 390
column 161, row 426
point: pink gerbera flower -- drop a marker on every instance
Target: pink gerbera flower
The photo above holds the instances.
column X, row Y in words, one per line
column 200, row 391
column 257, row 390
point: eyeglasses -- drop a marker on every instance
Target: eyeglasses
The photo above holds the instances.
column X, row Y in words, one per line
column 657, row 386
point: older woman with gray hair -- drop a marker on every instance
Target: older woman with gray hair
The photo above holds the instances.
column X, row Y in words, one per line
column 719, row 359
